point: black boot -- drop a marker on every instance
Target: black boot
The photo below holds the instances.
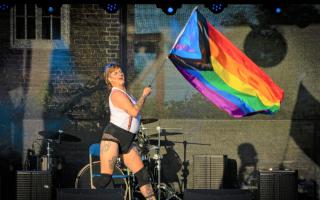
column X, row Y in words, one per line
column 103, row 181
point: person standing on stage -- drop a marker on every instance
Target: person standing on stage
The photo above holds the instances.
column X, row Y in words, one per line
column 119, row 134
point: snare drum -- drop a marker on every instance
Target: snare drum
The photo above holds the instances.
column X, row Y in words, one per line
column 83, row 178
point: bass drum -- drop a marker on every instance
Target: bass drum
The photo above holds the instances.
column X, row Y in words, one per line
column 83, row 178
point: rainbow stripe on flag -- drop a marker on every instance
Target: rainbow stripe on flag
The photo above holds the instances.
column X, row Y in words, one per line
column 221, row 72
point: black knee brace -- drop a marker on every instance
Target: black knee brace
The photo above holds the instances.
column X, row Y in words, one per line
column 143, row 177
column 103, row 181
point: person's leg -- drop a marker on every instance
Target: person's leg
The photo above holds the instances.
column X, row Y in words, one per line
column 133, row 161
column 109, row 152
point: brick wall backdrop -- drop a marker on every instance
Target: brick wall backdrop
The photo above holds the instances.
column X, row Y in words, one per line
column 52, row 88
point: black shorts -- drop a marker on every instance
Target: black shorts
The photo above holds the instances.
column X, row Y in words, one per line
column 123, row 137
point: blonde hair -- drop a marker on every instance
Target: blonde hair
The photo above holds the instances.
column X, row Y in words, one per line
column 108, row 71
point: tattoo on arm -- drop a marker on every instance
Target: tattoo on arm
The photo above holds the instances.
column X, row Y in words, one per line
column 112, row 162
column 106, row 147
column 140, row 103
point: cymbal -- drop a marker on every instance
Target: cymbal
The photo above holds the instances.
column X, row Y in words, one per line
column 164, row 133
column 148, row 120
column 54, row 135
column 162, row 143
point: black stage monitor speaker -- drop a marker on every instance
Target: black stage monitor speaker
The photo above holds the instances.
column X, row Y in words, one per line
column 89, row 194
column 278, row 185
column 224, row 194
column 34, row 185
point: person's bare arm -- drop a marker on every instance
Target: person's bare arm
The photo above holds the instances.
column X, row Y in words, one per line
column 122, row 101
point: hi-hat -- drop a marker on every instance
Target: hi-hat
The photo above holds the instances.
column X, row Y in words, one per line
column 148, row 120
column 55, row 135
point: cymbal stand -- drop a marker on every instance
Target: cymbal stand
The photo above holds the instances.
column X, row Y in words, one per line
column 158, row 158
column 49, row 150
column 142, row 132
column 60, row 133
column 170, row 192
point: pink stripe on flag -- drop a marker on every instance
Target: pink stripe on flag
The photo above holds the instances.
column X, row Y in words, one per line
column 212, row 96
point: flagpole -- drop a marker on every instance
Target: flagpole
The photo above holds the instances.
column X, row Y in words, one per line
column 157, row 72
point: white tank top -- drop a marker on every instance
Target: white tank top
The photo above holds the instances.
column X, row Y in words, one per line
column 121, row 118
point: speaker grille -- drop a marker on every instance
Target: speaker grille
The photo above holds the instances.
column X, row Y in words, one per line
column 277, row 185
column 208, row 171
column 34, row 185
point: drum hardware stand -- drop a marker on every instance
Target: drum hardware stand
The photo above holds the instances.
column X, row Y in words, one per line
column 50, row 149
column 185, row 164
column 158, row 157
column 142, row 128
column 185, row 171
column 170, row 191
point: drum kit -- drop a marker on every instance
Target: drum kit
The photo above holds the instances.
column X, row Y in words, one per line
column 147, row 145
column 149, row 150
